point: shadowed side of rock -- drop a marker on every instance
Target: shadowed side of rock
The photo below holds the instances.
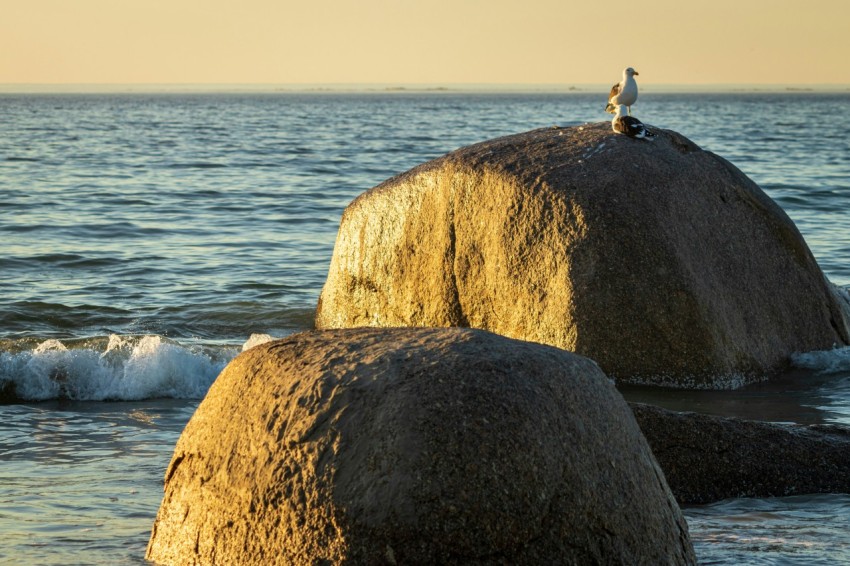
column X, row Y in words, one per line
column 661, row 261
column 707, row 458
column 414, row 446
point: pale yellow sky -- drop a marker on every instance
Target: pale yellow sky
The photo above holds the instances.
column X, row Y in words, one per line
column 424, row 41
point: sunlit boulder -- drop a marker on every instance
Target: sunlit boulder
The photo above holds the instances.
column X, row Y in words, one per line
column 659, row 260
column 414, row 446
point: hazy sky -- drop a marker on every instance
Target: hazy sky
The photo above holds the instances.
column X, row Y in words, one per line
column 424, row 41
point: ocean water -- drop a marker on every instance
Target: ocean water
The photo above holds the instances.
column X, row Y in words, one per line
column 146, row 239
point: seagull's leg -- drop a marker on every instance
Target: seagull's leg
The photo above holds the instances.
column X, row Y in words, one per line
column 629, row 109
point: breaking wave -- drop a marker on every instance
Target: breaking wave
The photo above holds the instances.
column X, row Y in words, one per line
column 126, row 368
column 824, row 362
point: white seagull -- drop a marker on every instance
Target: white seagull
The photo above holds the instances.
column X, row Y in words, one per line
column 630, row 126
column 624, row 92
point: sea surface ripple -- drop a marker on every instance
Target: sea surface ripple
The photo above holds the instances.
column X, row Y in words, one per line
column 147, row 239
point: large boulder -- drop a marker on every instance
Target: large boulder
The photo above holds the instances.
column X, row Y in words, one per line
column 414, row 446
column 659, row 260
column 707, row 458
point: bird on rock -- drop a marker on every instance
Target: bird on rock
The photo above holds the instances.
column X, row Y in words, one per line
column 624, row 92
column 630, row 125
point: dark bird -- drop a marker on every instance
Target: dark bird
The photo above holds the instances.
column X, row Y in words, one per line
column 630, row 125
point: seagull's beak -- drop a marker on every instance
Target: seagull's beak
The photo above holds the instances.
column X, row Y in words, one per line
column 636, row 73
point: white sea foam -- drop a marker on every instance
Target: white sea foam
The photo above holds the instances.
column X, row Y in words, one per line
column 832, row 361
column 843, row 292
column 256, row 340
column 727, row 382
column 126, row 368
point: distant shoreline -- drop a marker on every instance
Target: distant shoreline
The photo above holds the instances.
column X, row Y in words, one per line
column 22, row 88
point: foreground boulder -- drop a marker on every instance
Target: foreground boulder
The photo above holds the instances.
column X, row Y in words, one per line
column 661, row 261
column 707, row 458
column 414, row 446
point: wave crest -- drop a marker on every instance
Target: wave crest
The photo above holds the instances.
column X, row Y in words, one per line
column 824, row 362
column 118, row 368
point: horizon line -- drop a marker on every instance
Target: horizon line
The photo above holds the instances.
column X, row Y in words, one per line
column 390, row 87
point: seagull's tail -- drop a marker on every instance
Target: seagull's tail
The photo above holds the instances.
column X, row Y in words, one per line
column 648, row 134
column 611, row 109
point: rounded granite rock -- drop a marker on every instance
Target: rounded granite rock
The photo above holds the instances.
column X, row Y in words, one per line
column 415, row 446
column 707, row 458
column 661, row 261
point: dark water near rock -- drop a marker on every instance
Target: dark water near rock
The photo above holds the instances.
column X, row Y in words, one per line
column 146, row 238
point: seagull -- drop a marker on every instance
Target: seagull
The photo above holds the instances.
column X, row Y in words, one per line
column 630, row 126
column 624, row 92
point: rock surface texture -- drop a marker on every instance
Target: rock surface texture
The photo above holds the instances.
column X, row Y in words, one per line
column 707, row 458
column 415, row 446
column 659, row 260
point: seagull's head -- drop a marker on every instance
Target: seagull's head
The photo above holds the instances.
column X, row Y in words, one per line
column 629, row 72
